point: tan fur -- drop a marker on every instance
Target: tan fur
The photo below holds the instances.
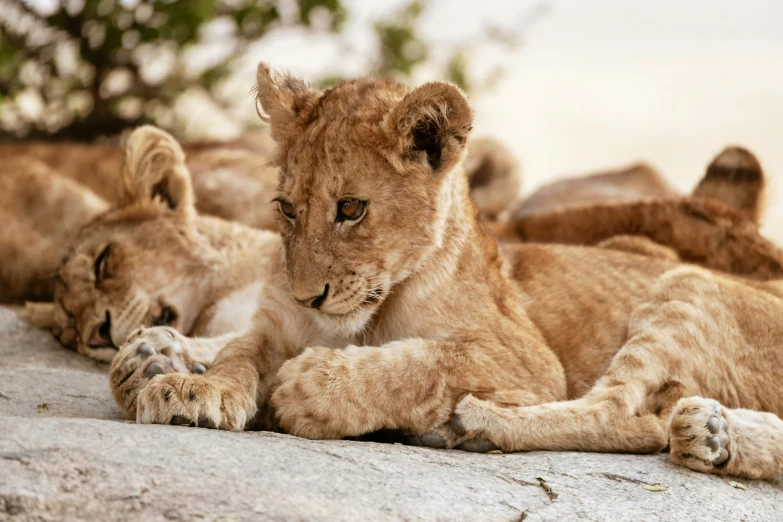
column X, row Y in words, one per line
column 54, row 209
column 494, row 177
column 734, row 178
column 640, row 245
column 228, row 177
column 716, row 227
column 633, row 183
column 423, row 314
column 701, row 231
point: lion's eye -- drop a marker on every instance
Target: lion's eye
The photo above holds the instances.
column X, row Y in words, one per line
column 350, row 209
column 286, row 208
column 100, row 264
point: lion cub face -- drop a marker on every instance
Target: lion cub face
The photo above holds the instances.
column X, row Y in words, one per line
column 138, row 264
column 367, row 170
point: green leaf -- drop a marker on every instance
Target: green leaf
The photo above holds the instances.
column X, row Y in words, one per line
column 457, row 69
column 738, row 485
column 656, row 487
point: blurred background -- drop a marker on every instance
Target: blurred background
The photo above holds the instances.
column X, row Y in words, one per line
column 570, row 86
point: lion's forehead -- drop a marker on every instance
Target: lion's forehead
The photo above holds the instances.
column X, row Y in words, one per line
column 332, row 169
column 363, row 99
column 344, row 132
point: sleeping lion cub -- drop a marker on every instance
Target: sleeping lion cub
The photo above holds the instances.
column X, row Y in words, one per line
column 390, row 307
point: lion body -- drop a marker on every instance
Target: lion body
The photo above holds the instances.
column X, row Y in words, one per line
column 407, row 315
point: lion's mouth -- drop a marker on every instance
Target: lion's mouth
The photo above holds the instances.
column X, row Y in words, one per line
column 101, row 335
column 373, row 297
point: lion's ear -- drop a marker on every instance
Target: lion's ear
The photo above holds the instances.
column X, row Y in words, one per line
column 283, row 98
column 430, row 126
column 736, row 178
column 154, row 171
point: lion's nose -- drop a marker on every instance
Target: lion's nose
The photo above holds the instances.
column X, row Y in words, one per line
column 101, row 335
column 317, row 301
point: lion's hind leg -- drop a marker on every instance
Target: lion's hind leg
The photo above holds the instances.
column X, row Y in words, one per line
column 591, row 423
column 628, row 409
column 707, row 437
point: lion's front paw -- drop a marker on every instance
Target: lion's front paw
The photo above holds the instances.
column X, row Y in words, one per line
column 312, row 400
column 445, row 437
column 699, row 434
column 474, row 422
column 194, row 400
column 454, row 434
column 148, row 352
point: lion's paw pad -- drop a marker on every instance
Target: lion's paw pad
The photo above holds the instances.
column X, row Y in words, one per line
column 478, row 446
column 699, row 434
column 428, row 440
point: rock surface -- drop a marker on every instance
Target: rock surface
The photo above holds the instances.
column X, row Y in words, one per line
column 77, row 459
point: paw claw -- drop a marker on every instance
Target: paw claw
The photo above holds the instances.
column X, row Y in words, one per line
column 179, row 420
column 722, row 457
column 456, row 424
column 206, row 422
column 198, row 368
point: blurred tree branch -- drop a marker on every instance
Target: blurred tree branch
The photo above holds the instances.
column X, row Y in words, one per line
column 80, row 69
column 102, row 49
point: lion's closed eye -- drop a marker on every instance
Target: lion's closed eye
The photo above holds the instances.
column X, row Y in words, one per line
column 100, row 264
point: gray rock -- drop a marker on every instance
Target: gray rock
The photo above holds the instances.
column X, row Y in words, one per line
column 78, row 460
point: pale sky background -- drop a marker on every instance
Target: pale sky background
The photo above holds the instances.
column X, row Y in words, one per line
column 602, row 83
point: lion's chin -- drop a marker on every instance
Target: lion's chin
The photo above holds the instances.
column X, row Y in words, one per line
column 347, row 321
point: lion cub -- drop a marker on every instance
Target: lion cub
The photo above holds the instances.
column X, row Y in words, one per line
column 715, row 227
column 392, row 308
